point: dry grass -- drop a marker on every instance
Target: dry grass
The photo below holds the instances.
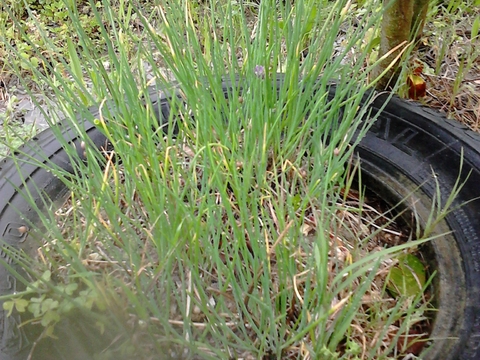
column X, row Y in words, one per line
column 451, row 59
column 353, row 235
column 363, row 225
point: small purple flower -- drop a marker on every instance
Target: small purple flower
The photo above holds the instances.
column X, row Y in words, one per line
column 259, row 71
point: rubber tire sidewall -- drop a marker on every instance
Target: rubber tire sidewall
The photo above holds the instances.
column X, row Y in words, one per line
column 399, row 153
column 414, row 159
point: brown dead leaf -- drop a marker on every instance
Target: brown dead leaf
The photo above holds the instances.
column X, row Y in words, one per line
column 416, row 86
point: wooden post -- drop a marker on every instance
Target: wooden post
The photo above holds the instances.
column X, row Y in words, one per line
column 401, row 20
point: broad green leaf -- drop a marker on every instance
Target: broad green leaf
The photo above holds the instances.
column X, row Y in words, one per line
column 49, row 304
column 46, row 276
column 21, row 305
column 50, row 317
column 8, row 306
column 34, row 308
column 49, row 331
column 407, row 278
column 70, row 288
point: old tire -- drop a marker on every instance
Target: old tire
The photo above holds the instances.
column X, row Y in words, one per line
column 399, row 155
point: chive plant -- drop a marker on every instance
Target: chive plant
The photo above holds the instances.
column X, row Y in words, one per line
column 189, row 233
